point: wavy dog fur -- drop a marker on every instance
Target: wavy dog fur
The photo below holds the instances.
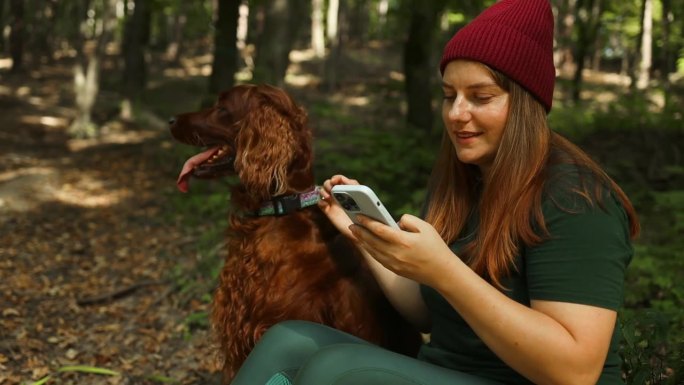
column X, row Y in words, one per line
column 295, row 266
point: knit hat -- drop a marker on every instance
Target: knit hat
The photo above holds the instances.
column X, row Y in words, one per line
column 515, row 37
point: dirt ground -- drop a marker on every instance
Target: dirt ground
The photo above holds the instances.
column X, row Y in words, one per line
column 87, row 241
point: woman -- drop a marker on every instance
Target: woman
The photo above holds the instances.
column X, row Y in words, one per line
column 517, row 271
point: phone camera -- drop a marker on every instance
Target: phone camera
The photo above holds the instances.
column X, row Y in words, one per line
column 347, row 202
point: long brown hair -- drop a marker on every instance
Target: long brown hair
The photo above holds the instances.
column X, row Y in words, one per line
column 509, row 200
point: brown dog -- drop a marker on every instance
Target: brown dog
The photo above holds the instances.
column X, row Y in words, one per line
column 285, row 260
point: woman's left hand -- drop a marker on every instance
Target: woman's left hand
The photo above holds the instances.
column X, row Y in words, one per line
column 418, row 252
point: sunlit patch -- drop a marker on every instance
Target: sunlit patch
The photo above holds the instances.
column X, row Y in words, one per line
column 50, row 121
column 90, row 192
column 128, row 137
column 5, row 63
column 25, row 189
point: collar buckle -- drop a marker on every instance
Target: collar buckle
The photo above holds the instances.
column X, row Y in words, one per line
column 286, row 204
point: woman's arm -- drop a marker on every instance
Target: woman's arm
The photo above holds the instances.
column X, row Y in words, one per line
column 403, row 293
column 549, row 342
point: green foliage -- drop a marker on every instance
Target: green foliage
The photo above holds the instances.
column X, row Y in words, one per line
column 649, row 354
column 395, row 162
column 640, row 146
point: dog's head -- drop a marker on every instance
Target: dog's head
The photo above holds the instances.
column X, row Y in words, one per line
column 256, row 132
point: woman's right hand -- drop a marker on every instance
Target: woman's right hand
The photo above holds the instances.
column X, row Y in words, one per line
column 331, row 208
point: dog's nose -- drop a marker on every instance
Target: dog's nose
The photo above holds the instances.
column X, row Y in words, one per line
column 172, row 120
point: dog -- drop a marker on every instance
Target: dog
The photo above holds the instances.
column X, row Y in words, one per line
column 285, row 259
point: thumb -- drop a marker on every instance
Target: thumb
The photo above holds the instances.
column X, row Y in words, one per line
column 410, row 223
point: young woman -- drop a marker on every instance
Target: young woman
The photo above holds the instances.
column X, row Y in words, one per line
column 517, row 269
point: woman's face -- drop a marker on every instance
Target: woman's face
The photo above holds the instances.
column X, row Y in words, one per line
column 474, row 111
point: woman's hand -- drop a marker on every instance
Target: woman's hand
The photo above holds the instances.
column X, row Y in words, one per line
column 331, row 208
column 416, row 251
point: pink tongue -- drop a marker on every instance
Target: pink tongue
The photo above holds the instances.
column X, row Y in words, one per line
column 190, row 164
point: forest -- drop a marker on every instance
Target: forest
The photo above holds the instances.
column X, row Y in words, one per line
column 107, row 271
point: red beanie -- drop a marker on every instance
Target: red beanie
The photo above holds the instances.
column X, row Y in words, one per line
column 515, row 37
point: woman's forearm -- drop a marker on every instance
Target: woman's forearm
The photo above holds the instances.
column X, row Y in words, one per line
column 403, row 294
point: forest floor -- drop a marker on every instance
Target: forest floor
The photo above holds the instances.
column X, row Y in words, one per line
column 88, row 241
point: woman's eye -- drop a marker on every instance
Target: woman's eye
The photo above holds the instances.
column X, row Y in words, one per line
column 449, row 97
column 483, row 98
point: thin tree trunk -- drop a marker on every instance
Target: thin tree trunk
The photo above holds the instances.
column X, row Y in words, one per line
column 317, row 28
column 2, row 26
column 136, row 39
column 418, row 65
column 645, row 61
column 87, row 72
column 666, row 55
column 16, row 37
column 564, row 26
column 332, row 19
column 177, row 23
column 636, row 57
column 587, row 16
column 225, row 47
column 86, row 87
column 337, row 25
column 277, row 39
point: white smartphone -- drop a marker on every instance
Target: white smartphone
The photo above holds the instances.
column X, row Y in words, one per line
column 359, row 199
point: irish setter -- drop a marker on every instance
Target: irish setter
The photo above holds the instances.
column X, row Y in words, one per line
column 284, row 261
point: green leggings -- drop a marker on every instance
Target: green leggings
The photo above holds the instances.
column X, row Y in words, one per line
column 313, row 354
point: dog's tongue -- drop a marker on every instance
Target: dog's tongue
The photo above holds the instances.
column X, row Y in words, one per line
column 190, row 164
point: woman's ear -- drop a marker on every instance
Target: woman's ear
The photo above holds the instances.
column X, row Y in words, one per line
column 265, row 149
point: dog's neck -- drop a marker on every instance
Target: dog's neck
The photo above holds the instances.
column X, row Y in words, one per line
column 288, row 203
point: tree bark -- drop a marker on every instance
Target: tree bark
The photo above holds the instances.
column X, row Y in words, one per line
column 136, row 39
column 419, row 68
column 87, row 72
column 587, row 17
column 276, row 41
column 225, row 47
column 666, row 54
column 337, row 25
column 317, row 28
column 645, row 61
column 16, row 37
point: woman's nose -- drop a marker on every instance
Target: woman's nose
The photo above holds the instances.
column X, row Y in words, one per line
column 459, row 110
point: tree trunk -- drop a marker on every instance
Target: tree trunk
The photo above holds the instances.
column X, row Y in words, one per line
column 85, row 88
column 666, row 55
column 136, row 38
column 225, row 47
column 419, row 68
column 337, row 24
column 587, row 17
column 358, row 21
column 565, row 25
column 176, row 27
column 2, row 26
column 87, row 72
column 16, row 37
column 645, row 61
column 332, row 19
column 277, row 40
column 317, row 28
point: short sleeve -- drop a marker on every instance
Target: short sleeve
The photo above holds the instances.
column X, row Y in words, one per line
column 585, row 256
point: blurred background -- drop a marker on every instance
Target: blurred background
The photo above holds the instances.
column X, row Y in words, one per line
column 107, row 271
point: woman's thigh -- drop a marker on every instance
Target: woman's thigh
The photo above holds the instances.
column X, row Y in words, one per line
column 353, row 364
column 285, row 347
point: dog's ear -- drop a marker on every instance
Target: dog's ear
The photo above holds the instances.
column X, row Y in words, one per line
column 265, row 150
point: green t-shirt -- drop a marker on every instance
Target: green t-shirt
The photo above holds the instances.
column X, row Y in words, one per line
column 583, row 261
